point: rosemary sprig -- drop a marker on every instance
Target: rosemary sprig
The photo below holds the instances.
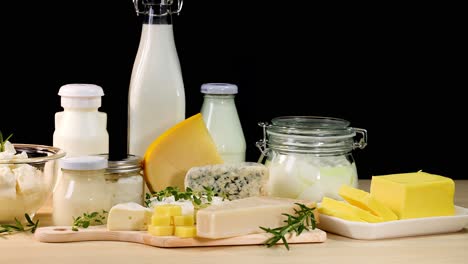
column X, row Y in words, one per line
column 303, row 220
column 88, row 219
column 19, row 227
column 200, row 199
column 2, row 142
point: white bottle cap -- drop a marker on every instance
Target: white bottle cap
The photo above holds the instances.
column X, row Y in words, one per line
column 219, row 88
column 83, row 163
column 81, row 95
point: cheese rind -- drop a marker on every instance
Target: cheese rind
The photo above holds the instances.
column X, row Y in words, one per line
column 414, row 195
column 233, row 180
column 365, row 201
column 128, row 216
column 245, row 216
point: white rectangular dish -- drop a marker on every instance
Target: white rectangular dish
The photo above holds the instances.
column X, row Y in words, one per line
column 397, row 228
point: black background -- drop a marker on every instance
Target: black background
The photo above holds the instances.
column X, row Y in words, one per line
column 393, row 70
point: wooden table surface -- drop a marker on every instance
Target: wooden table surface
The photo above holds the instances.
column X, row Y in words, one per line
column 444, row 248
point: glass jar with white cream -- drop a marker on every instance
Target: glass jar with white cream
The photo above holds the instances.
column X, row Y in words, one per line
column 95, row 184
column 310, row 157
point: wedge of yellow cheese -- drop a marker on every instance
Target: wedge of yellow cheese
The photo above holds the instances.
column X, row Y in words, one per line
column 414, row 195
column 346, row 210
column 171, row 155
column 367, row 202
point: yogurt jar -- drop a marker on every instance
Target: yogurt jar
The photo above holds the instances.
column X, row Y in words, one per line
column 95, row 184
column 310, row 157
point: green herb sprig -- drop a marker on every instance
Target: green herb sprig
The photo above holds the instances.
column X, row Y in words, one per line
column 200, row 199
column 19, row 227
column 2, row 142
column 303, row 220
column 88, row 219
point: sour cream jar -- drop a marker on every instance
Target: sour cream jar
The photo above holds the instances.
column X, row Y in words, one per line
column 95, row 184
column 310, row 157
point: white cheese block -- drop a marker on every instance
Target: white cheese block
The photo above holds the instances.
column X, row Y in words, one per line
column 233, row 180
column 7, row 183
column 129, row 216
column 28, row 178
column 245, row 216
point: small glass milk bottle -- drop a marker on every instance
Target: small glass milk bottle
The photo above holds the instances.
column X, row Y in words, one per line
column 222, row 120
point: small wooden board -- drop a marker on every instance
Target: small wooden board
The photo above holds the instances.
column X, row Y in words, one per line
column 57, row 234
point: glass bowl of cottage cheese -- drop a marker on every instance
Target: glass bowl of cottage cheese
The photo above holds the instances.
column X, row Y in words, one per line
column 27, row 176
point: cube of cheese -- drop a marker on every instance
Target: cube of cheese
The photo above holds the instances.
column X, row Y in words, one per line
column 185, row 231
column 161, row 220
column 128, row 216
column 365, row 201
column 168, row 209
column 161, row 230
column 245, row 216
column 184, row 220
column 414, row 195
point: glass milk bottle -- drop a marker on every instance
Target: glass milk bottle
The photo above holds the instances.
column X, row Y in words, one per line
column 156, row 93
column 222, row 120
column 81, row 129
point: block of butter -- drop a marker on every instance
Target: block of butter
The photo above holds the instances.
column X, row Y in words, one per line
column 414, row 195
column 233, row 180
column 128, row 216
column 245, row 216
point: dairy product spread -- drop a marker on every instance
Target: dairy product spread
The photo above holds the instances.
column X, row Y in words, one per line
column 21, row 188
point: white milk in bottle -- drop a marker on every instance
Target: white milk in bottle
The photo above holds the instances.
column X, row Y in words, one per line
column 81, row 129
column 156, row 93
column 222, row 120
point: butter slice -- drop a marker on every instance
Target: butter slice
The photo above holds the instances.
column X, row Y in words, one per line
column 365, row 201
column 128, row 216
column 245, row 216
column 344, row 209
column 414, row 195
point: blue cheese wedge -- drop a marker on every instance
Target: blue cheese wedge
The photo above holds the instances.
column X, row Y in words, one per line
column 232, row 180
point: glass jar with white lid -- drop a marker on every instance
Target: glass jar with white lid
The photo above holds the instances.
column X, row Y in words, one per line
column 95, row 184
column 310, row 157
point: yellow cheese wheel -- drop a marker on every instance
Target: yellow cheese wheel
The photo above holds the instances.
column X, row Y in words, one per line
column 171, row 155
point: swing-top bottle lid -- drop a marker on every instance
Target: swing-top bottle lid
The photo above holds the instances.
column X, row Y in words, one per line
column 219, row 88
column 81, row 95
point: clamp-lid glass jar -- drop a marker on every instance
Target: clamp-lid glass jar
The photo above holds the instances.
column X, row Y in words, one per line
column 310, row 157
column 95, row 184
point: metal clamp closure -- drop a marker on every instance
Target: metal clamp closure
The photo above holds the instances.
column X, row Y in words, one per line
column 180, row 3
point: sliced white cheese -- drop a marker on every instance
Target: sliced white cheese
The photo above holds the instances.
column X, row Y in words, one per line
column 245, row 216
column 129, row 216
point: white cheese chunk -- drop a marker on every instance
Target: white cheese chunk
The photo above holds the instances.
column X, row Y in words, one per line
column 129, row 216
column 7, row 183
column 233, row 180
column 245, row 216
column 28, row 178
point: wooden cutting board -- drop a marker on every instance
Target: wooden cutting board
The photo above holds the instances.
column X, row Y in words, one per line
column 55, row 234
